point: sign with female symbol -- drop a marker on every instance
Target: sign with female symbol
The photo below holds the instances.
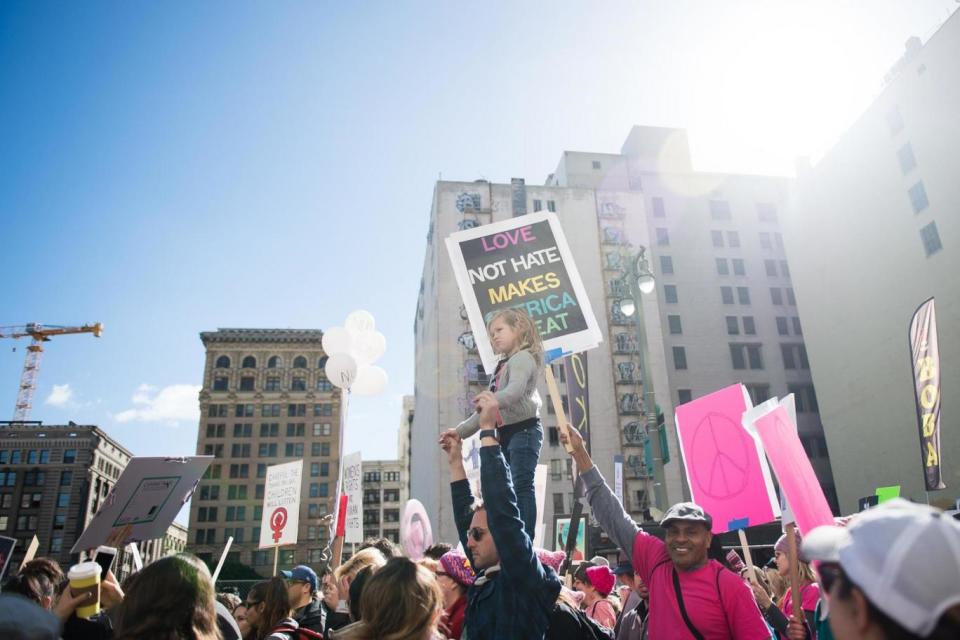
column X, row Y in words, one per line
column 726, row 469
column 281, row 504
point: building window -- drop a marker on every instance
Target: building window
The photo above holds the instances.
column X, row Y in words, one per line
column 797, row 329
column 66, row 478
column 267, row 450
column 722, row 267
column 771, row 267
column 666, row 265
column 743, row 295
column 918, row 197
column 766, row 212
column 670, row 293
column 794, row 356
column 269, row 430
column 804, row 397
column 537, row 205
column 746, row 356
column 738, row 267
column 749, row 327
column 720, row 210
column 270, row 410
column 242, row 430
column 931, row 239
column 243, row 411
column 765, row 240
column 69, row 456
column 295, row 429
column 907, row 161
column 323, row 409
column 784, row 269
column 246, row 383
column 791, row 299
column 776, row 296
column 249, row 363
column 220, row 383
column 733, row 239
column 298, row 384
column 658, row 209
column 663, row 237
column 717, row 238
column 223, row 362
column 63, row 500
column 32, row 456
column 675, row 326
column 293, row 450
column 296, row 410
column 217, row 411
column 726, row 295
column 240, row 451
column 758, row 392
column 596, row 165
column 733, row 326
column 552, row 206
column 679, row 358
column 684, row 395
column 558, row 503
column 782, row 327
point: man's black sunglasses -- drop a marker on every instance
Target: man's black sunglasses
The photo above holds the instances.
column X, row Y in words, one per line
column 476, row 533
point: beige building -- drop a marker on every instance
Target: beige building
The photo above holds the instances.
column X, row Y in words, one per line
column 265, row 400
column 875, row 232
column 384, row 494
column 724, row 309
column 53, row 479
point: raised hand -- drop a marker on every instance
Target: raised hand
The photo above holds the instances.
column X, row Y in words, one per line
column 573, row 438
column 451, row 443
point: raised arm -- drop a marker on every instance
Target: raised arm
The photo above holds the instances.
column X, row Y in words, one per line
column 459, row 488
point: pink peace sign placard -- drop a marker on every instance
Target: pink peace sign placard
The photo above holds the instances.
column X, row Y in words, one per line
column 726, row 471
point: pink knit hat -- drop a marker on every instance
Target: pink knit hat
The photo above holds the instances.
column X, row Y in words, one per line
column 602, row 579
column 552, row 559
column 456, row 565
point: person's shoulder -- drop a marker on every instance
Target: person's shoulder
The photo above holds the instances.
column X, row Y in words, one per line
column 522, row 357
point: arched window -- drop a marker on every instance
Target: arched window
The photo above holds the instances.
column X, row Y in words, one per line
column 223, row 362
column 299, row 362
column 274, row 362
column 249, row 362
column 322, row 362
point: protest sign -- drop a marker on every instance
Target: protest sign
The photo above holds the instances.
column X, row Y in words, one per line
column 280, row 521
column 887, row 493
column 726, row 471
column 31, row 551
column 223, row 557
column 523, row 263
column 794, row 472
column 415, row 531
column 561, row 527
column 925, row 357
column 471, row 464
column 6, row 552
column 146, row 498
column 353, row 487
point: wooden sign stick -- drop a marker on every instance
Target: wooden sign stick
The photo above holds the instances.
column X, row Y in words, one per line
column 557, row 405
column 747, row 557
column 337, row 552
column 794, row 572
column 276, row 553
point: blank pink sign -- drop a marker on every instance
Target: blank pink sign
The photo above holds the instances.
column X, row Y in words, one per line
column 793, row 469
column 724, row 466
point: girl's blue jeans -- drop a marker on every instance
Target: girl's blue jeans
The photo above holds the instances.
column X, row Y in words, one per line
column 522, row 452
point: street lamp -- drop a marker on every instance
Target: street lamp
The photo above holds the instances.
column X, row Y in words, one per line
column 640, row 281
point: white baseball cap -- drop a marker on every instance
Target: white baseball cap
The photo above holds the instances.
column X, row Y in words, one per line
column 905, row 557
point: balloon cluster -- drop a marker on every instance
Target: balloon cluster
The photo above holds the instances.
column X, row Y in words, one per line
column 351, row 352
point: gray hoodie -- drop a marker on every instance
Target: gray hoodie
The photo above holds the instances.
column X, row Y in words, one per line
column 516, row 392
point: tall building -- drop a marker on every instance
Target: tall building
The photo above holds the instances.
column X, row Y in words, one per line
column 53, row 479
column 724, row 309
column 265, row 400
column 874, row 233
column 404, row 439
column 384, row 494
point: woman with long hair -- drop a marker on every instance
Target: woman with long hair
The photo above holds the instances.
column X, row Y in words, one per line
column 401, row 601
column 269, row 612
column 171, row 599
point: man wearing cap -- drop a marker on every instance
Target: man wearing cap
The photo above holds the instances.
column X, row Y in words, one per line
column 894, row 572
column 632, row 623
column 302, row 588
column 691, row 596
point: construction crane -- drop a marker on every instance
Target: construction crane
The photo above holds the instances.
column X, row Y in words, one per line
column 31, row 366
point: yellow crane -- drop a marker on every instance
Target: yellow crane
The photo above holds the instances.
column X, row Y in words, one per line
column 31, row 367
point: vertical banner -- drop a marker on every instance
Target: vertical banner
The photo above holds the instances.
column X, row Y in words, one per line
column 618, row 477
column 523, row 263
column 281, row 505
column 575, row 371
column 925, row 354
column 353, row 487
column 540, row 491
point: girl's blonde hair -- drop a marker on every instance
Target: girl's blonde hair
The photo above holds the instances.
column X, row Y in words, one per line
column 359, row 561
column 527, row 334
column 400, row 601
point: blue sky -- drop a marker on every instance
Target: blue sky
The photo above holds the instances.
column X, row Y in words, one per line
column 169, row 168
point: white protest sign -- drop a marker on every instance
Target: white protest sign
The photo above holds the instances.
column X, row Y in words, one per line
column 146, row 498
column 281, row 505
column 353, row 488
column 523, row 263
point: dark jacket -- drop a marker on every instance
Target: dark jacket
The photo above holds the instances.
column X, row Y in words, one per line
column 515, row 602
column 312, row 616
column 335, row 619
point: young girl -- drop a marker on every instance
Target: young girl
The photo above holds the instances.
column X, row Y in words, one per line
column 513, row 387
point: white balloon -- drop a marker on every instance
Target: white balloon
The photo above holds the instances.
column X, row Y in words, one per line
column 341, row 370
column 337, row 340
column 368, row 347
column 371, row 381
column 360, row 321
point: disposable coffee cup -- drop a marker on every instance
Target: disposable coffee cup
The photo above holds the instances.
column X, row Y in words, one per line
column 85, row 577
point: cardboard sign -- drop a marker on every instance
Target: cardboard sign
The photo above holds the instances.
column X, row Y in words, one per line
column 793, row 469
column 726, row 471
column 353, row 488
column 416, row 534
column 281, row 505
column 562, row 530
column 887, row 493
column 523, row 263
column 6, row 552
column 31, row 551
column 146, row 498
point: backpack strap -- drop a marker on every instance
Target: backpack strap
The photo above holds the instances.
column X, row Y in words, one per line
column 683, row 609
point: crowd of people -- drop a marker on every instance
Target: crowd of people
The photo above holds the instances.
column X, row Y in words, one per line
column 891, row 573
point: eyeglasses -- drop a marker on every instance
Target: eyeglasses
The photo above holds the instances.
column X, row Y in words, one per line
column 477, row 533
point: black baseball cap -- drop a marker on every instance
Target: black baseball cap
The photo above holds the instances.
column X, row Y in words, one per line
column 686, row 511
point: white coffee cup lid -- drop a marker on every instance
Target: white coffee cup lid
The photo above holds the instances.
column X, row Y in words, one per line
column 83, row 570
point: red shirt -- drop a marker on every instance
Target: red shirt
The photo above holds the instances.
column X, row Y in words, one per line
column 453, row 618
